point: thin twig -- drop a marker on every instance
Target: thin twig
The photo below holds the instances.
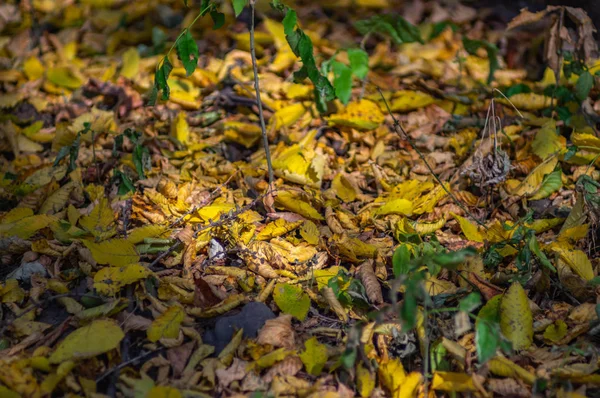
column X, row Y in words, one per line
column 397, row 126
column 127, row 363
column 258, row 100
column 224, row 219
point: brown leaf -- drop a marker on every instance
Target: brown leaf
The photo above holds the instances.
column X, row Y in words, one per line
column 487, row 289
column 369, row 280
column 204, row 297
column 236, row 372
column 178, row 356
column 289, row 366
column 278, row 332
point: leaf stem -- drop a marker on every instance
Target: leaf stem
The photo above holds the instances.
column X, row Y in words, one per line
column 183, row 32
column 258, row 99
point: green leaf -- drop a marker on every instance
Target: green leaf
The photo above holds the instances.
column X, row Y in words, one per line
column 314, row 356
column 534, row 246
column 453, row 259
column 289, row 22
column 359, row 62
column 125, row 183
column 487, row 340
column 398, row 28
column 302, row 47
column 552, row 182
column 160, row 81
column 238, row 6
column 342, row 81
column 348, row 358
column 584, row 85
column 439, row 27
column 492, row 51
column 408, row 309
column 218, row 19
column 187, row 50
column 292, row 300
column 401, row 261
column 469, row 303
column 140, row 157
column 517, row 89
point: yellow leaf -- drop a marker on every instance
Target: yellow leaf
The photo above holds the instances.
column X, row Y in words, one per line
column 301, row 165
column 180, row 128
column 52, row 380
column 215, row 210
column 287, row 116
column 354, row 249
column 314, row 356
column 396, row 206
column 533, row 181
column 117, row 252
column 392, row 375
column 452, row 382
column 365, row 382
column 109, row 280
column 410, row 385
column 527, row 101
column 59, row 198
column 516, row 319
column 166, row 325
column 292, row 300
column 585, row 140
column 98, row 337
column 426, row 203
column 556, row 331
column 343, row 188
column 16, row 214
column 435, row 286
column 138, row 235
column 33, row 68
column 270, row 359
column 547, row 141
column 310, row 232
column 543, row 225
column 362, row 115
column 289, row 201
column 578, row 261
column 26, row 227
column 425, row 228
column 323, row 276
column 130, row 63
column 100, row 220
column 406, row 100
column 246, row 134
column 45, row 175
column 63, row 77
column 506, row 368
column 293, row 253
column 163, row 392
column 468, row 228
column 11, row 292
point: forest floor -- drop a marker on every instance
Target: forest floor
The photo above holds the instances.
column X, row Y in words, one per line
column 431, row 228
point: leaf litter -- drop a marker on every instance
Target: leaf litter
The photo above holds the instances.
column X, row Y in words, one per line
column 431, row 227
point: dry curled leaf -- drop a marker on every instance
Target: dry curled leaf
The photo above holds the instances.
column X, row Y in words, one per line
column 370, row 282
column 278, row 332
